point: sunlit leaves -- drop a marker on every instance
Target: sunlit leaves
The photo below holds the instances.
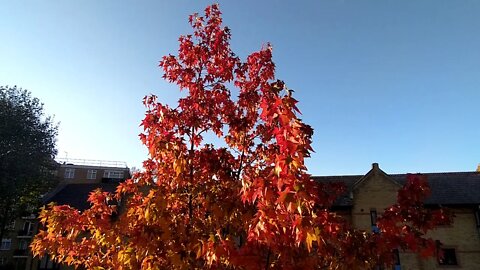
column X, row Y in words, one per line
column 247, row 205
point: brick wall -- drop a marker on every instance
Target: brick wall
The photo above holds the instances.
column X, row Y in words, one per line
column 377, row 191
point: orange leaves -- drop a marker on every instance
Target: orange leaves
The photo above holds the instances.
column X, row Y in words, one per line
column 311, row 238
column 179, row 166
column 286, row 196
column 248, row 205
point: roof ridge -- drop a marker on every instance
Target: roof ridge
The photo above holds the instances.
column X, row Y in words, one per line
column 399, row 174
column 396, row 174
column 344, row 175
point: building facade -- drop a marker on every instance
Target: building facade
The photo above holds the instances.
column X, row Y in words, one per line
column 369, row 194
column 366, row 197
column 14, row 251
column 77, row 178
column 80, row 171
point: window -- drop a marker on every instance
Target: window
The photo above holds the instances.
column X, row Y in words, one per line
column 6, row 244
column 92, row 174
column 69, row 173
column 373, row 216
column 373, row 220
column 22, row 245
column 447, row 256
column 27, row 229
column 396, row 260
column 477, row 218
column 20, row 263
column 47, row 263
column 113, row 174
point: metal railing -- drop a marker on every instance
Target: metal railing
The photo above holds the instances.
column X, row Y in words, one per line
column 92, row 162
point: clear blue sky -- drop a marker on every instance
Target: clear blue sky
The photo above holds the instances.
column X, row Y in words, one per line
column 393, row 82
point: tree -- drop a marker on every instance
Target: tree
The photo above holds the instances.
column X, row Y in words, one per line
column 27, row 151
column 247, row 205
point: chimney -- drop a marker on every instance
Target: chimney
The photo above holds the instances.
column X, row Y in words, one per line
column 375, row 166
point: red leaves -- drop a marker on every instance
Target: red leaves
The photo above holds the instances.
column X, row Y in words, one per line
column 247, row 205
column 415, row 191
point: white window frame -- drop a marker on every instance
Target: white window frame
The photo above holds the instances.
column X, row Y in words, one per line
column 28, row 227
column 115, row 174
column 69, row 173
column 6, row 244
column 92, row 174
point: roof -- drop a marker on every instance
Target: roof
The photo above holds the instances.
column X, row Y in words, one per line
column 348, row 180
column 448, row 188
column 76, row 195
column 92, row 163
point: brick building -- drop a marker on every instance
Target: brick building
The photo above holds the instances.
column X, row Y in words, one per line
column 369, row 194
column 77, row 179
column 366, row 198
column 14, row 252
column 81, row 171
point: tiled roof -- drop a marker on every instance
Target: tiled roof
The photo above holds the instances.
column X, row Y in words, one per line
column 451, row 188
column 348, row 180
column 76, row 195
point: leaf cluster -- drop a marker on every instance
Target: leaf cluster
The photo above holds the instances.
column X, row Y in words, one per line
column 248, row 205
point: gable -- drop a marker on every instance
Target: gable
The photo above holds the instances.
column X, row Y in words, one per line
column 375, row 190
column 376, row 179
column 447, row 188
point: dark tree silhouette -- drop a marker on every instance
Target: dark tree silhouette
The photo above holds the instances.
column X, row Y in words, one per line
column 27, row 151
